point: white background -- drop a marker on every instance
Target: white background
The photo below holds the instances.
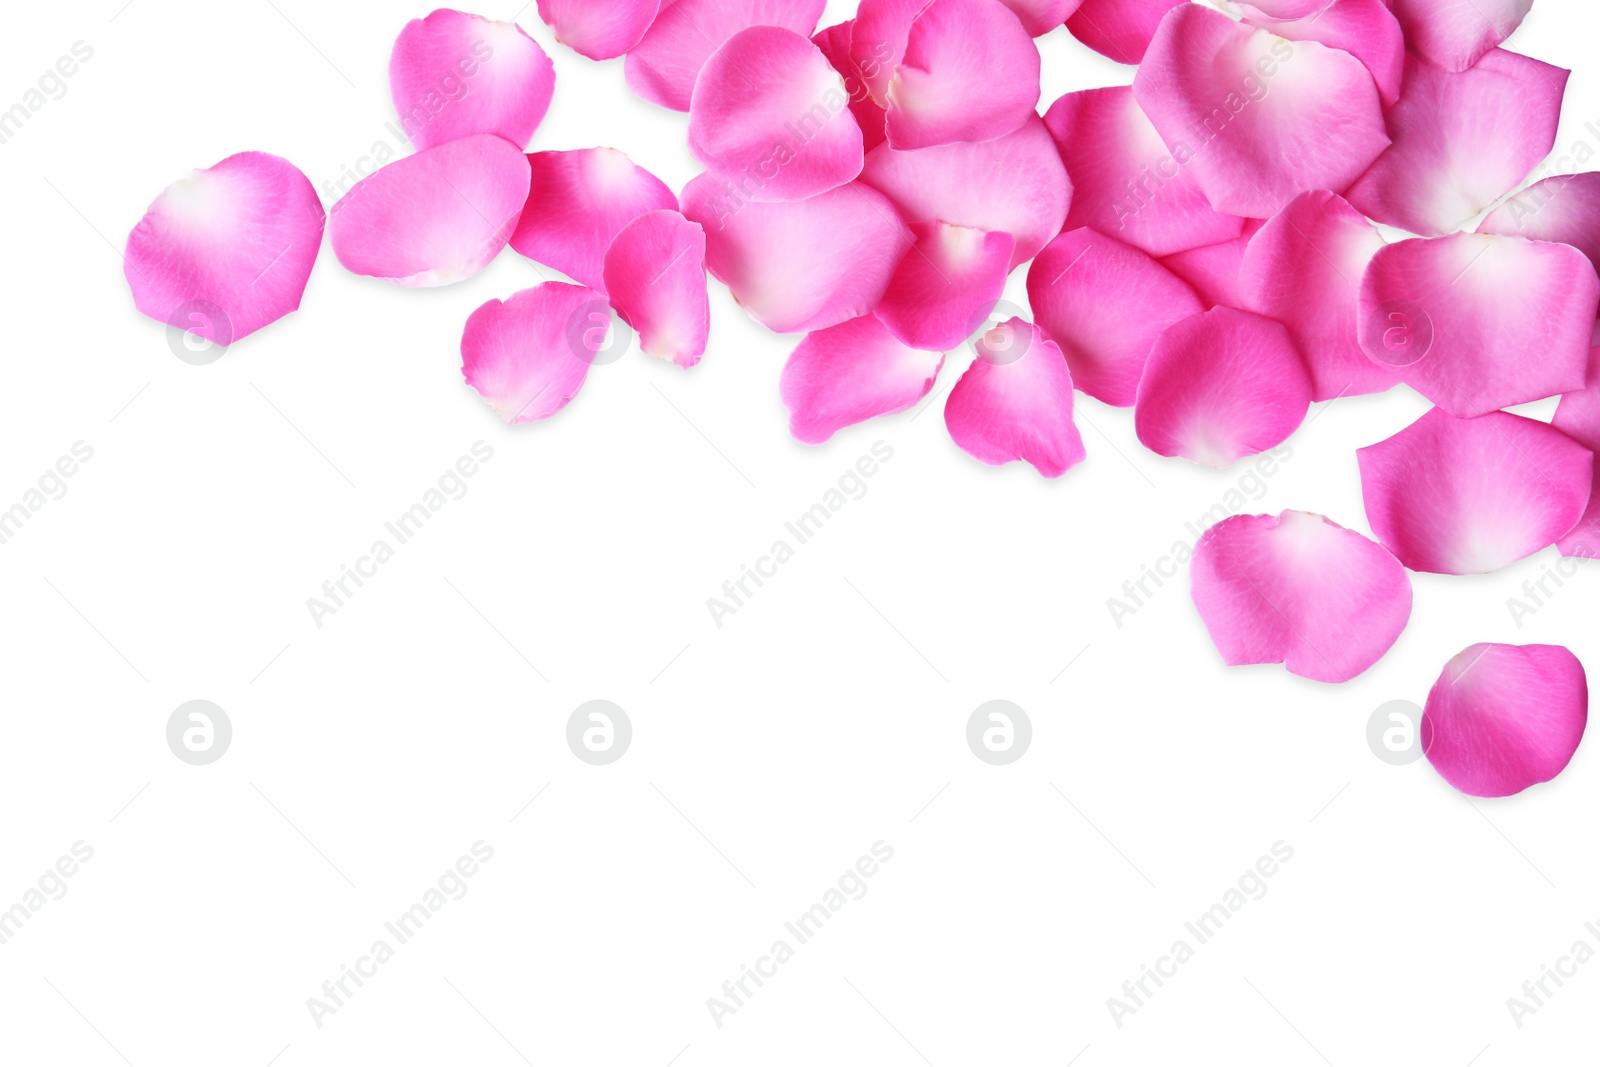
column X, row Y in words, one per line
column 768, row 754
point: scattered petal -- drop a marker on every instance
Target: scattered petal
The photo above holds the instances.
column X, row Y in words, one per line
column 1119, row 29
column 655, row 275
column 1364, row 28
column 1564, row 209
column 870, row 115
column 453, row 75
column 663, row 66
column 1455, row 34
column 1015, row 402
column 599, row 29
column 528, row 356
column 970, row 72
column 945, row 287
column 1578, row 416
column 850, row 373
column 1213, row 270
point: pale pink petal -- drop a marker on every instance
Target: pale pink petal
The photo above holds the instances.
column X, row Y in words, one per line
column 1283, row 9
column 946, row 285
column 970, row 72
column 1257, row 118
column 599, row 29
column 1455, row 34
column 1502, row 718
column 1364, row 28
column 663, row 66
column 453, row 75
column 1304, row 268
column 801, row 266
column 771, row 114
column 1213, row 270
column 1578, row 416
column 655, row 276
column 1015, row 184
column 528, row 356
column 1469, row 496
column 228, row 249
column 1461, row 141
column 1125, row 183
column 1564, row 209
column 850, row 373
column 1119, row 29
column 870, row 115
column 1039, row 17
column 1015, row 402
column 1478, row 322
column 1299, row 590
column 577, row 204
column 1219, row 386
column 878, row 40
column 1104, row 304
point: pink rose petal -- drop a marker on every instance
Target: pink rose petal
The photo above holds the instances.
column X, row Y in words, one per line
column 1578, row 416
column 878, row 41
column 850, row 373
column 870, row 115
column 663, row 66
column 1039, row 17
column 1119, row 29
column 655, row 275
column 528, row 356
column 1015, row 402
column 1455, row 34
column 453, row 75
column 970, row 72
column 946, row 285
column 1564, row 209
column 1364, row 28
column 1213, row 270
column 599, row 29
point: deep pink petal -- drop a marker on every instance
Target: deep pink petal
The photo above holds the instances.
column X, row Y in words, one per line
column 946, row 285
column 655, row 276
column 1469, row 496
column 663, row 66
column 1299, row 590
column 870, row 115
column 599, row 29
column 1219, row 386
column 1039, row 17
column 1564, row 209
column 878, row 40
column 1104, row 304
column 453, row 75
column 1015, row 402
column 1478, row 322
column 1364, row 28
column 528, row 356
column 1257, row 118
column 1213, row 270
column 970, row 72
column 1578, row 416
column 228, row 249
column 1119, row 29
column 850, row 373
column 1502, row 718
column 1455, row 34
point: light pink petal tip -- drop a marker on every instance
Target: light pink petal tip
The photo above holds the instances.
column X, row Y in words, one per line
column 599, row 29
column 801, row 266
column 1461, row 141
column 945, row 287
column 771, row 115
column 870, row 115
column 1119, row 29
column 1104, row 304
column 663, row 66
column 1299, row 590
column 850, row 373
column 528, row 356
column 655, row 277
column 970, row 72
column 1257, row 118
column 1437, row 312
column 1578, row 416
column 453, row 75
column 1364, row 28
column 1220, row 386
column 1455, row 34
column 1469, row 496
column 434, row 218
column 1564, row 209
column 1304, row 268
column 1039, row 17
column 1502, row 718
column 1015, row 402
column 228, row 249
column 578, row 202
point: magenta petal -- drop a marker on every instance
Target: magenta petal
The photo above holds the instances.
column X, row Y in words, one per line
column 228, row 249
column 945, row 287
column 1578, row 416
column 1257, row 118
column 1039, row 17
column 1469, row 496
column 453, row 75
column 850, row 373
column 528, row 356
column 1119, row 29
column 434, row 218
column 599, row 29
column 1564, row 209
column 1461, row 141
column 1104, row 304
column 656, row 280
column 663, row 66
column 1455, row 34
column 870, row 115
column 1299, row 590
column 970, row 72
column 1213, row 270
column 1015, row 402
column 1439, row 314
column 1364, row 28
column 802, row 266
column 1219, row 386
column 1502, row 718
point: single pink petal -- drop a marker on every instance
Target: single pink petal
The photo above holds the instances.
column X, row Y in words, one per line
column 1104, row 304
column 1564, row 208
column 850, row 373
column 434, row 218
column 577, row 204
column 1015, row 402
column 1461, row 141
column 228, row 249
column 1257, row 118
column 878, row 40
column 946, row 285
column 1219, row 386
column 970, row 72
column 663, row 66
column 1299, row 590
column 528, row 356
column 1478, row 322
column 655, row 276
column 1014, row 184
column 1213, row 270
column 599, row 29
column 802, row 266
column 1578, row 416
column 771, row 114
column 1455, row 34
column 870, row 115
column 1119, row 29
column 1469, row 496
column 1502, row 718
column 1304, row 268
column 1364, row 28
column 1125, row 183
column 1039, row 17
column 453, row 75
